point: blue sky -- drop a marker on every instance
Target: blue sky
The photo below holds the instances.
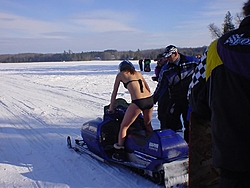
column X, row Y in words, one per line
column 52, row 26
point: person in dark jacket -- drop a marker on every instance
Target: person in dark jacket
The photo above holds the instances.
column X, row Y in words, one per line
column 141, row 64
column 162, row 103
column 228, row 85
column 161, row 60
column 172, row 87
column 197, row 93
column 200, row 139
column 147, row 67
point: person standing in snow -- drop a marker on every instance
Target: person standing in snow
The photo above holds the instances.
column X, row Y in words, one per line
column 147, row 62
column 140, row 64
column 200, row 139
column 172, row 87
column 142, row 101
column 161, row 60
column 228, row 85
column 162, row 114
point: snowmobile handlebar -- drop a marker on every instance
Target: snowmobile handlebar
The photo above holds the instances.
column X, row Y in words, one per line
column 117, row 110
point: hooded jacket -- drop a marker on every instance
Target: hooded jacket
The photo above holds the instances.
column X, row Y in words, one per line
column 228, row 83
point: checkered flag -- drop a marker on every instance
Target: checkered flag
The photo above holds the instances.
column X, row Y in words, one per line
column 199, row 73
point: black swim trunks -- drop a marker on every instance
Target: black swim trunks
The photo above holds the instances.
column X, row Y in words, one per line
column 145, row 103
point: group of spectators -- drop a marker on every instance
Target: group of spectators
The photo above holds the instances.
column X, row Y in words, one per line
column 216, row 87
column 220, row 93
column 144, row 64
column 216, row 90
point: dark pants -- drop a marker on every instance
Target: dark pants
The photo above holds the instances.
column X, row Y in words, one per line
column 162, row 111
column 177, row 109
column 167, row 120
column 229, row 179
column 140, row 64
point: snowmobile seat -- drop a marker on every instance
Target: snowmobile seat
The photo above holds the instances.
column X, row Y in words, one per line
column 141, row 138
column 109, row 133
column 111, row 128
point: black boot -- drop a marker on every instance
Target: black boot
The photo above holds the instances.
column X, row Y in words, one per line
column 119, row 153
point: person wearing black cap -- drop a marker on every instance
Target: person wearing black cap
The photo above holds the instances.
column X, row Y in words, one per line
column 228, row 88
column 172, row 87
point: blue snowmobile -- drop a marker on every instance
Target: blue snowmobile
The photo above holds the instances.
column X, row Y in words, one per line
column 161, row 156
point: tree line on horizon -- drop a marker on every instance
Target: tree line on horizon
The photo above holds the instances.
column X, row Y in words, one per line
column 95, row 55
column 120, row 55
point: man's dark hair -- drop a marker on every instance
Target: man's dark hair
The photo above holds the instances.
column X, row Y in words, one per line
column 246, row 8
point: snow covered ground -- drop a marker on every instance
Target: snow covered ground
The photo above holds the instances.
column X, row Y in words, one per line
column 40, row 105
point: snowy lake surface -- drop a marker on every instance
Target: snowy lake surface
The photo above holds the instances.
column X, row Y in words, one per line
column 41, row 104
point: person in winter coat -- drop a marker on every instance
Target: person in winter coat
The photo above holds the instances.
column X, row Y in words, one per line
column 162, row 114
column 142, row 101
column 172, row 87
column 200, row 139
column 161, row 60
column 228, row 91
column 140, row 64
column 147, row 67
